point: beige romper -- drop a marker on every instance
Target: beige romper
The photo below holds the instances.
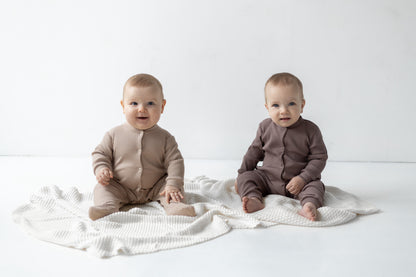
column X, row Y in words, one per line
column 143, row 162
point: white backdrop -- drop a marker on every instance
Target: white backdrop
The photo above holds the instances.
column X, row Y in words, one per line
column 63, row 65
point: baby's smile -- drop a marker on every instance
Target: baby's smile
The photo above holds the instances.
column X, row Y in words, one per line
column 142, row 117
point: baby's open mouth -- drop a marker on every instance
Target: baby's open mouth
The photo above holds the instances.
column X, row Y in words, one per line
column 285, row 118
column 142, row 117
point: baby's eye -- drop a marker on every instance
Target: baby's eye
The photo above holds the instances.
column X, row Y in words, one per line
column 151, row 103
column 292, row 104
column 275, row 105
column 133, row 103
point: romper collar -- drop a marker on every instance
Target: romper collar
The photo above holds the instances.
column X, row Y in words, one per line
column 131, row 128
column 296, row 124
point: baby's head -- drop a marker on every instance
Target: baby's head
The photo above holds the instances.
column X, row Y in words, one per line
column 283, row 93
column 143, row 101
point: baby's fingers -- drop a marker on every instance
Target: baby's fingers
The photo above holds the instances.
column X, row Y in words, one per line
column 108, row 174
column 179, row 196
column 292, row 190
column 176, row 196
column 103, row 181
column 166, row 194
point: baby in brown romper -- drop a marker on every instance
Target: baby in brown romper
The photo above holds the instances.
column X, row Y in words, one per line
column 291, row 148
column 138, row 162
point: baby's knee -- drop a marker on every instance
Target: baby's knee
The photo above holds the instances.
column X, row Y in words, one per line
column 250, row 183
column 248, row 177
column 315, row 186
column 111, row 193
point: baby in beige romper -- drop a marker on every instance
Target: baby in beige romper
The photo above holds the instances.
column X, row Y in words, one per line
column 138, row 162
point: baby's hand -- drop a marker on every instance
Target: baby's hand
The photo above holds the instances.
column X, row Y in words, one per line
column 104, row 176
column 172, row 193
column 295, row 185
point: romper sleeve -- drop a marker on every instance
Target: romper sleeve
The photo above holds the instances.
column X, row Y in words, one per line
column 102, row 156
column 316, row 159
column 254, row 154
column 174, row 164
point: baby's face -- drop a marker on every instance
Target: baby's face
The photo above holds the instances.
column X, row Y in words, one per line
column 143, row 106
column 284, row 104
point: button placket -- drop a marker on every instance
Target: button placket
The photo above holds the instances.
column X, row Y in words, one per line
column 139, row 154
column 283, row 150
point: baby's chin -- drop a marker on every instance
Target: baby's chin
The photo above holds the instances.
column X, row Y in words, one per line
column 142, row 125
column 285, row 122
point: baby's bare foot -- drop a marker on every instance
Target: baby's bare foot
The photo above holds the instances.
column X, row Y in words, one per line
column 309, row 211
column 252, row 204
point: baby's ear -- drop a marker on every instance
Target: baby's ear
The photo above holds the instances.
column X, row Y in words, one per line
column 122, row 104
column 163, row 105
column 303, row 104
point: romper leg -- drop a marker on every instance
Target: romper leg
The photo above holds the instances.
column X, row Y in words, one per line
column 252, row 184
column 312, row 192
column 176, row 208
column 107, row 200
column 172, row 208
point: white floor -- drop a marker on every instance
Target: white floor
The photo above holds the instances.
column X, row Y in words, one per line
column 374, row 245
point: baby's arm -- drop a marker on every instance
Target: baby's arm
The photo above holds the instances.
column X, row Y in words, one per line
column 102, row 160
column 254, row 153
column 316, row 159
column 172, row 193
column 104, row 175
column 175, row 168
column 316, row 162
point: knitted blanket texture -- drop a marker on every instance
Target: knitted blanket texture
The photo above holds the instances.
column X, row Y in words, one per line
column 61, row 217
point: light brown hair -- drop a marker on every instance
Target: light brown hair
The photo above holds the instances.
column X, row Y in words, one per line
column 285, row 79
column 143, row 80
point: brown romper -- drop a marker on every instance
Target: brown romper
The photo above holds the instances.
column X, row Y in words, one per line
column 143, row 162
column 298, row 150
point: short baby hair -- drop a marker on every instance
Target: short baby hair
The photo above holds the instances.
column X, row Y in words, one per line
column 285, row 79
column 143, row 80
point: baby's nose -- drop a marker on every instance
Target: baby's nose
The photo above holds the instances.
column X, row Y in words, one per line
column 141, row 107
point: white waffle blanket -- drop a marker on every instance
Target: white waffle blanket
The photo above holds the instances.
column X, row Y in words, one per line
column 61, row 217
